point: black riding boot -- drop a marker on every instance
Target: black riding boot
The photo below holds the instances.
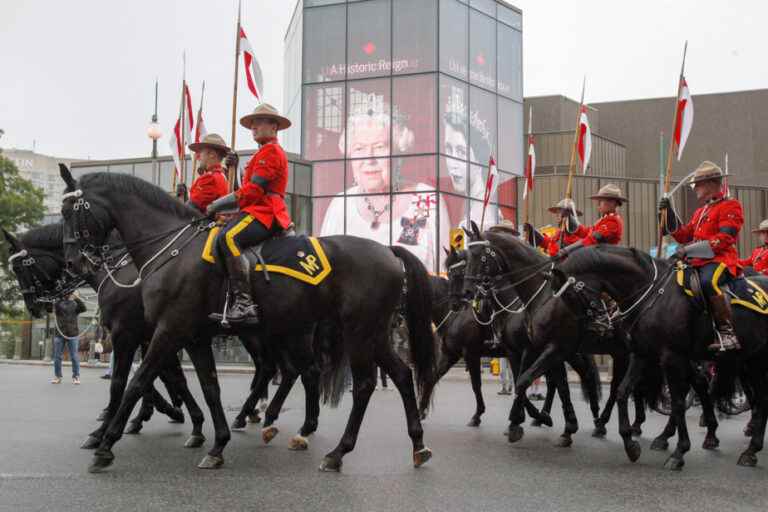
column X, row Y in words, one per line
column 241, row 307
column 721, row 313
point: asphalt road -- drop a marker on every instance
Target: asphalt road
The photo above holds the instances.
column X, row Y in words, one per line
column 42, row 468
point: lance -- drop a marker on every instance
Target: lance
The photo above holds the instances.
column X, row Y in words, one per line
column 183, row 118
column 571, row 165
column 668, row 172
column 232, row 170
column 197, row 127
column 527, row 178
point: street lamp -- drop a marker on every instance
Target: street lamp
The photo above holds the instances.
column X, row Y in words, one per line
column 154, row 133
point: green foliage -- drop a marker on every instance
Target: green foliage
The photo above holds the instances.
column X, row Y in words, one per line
column 21, row 206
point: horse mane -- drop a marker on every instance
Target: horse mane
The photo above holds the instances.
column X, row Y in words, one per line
column 47, row 237
column 440, row 287
column 504, row 238
column 141, row 188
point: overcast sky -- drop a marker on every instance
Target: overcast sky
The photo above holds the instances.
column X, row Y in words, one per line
column 77, row 76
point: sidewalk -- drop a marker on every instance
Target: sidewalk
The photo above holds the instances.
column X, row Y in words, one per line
column 454, row 374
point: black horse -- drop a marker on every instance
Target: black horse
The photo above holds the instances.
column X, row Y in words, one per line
column 360, row 295
column 464, row 333
column 40, row 273
column 668, row 327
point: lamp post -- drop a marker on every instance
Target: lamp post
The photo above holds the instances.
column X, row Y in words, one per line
column 154, row 133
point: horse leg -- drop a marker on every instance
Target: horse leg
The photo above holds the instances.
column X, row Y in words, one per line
column 548, row 400
column 176, row 381
column 759, row 386
column 661, row 442
column 473, row 362
column 287, row 380
column 201, row 354
column 637, row 426
column 146, row 410
column 162, row 405
column 125, row 349
column 569, row 414
column 310, row 379
column 619, row 370
column 264, row 374
column 517, row 413
column 676, row 371
column 701, row 388
column 171, row 376
column 446, row 362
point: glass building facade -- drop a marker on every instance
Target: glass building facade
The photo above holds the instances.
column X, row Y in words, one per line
column 398, row 105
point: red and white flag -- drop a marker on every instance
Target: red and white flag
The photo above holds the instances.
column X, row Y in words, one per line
column 585, row 140
column 252, row 68
column 683, row 118
column 530, row 167
column 179, row 139
column 200, row 130
column 492, row 182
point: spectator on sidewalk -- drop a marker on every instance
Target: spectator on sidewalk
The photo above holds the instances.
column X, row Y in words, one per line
column 505, row 375
column 67, row 334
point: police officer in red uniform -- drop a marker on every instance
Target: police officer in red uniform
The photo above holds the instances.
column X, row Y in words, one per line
column 211, row 183
column 260, row 200
column 566, row 212
column 711, row 236
column 759, row 258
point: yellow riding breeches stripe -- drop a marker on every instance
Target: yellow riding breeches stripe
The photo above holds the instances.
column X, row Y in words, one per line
column 716, row 278
column 232, row 233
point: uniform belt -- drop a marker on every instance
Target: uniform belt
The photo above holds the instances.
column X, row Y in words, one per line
column 270, row 193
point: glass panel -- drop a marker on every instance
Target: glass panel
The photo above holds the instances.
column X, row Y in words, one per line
column 166, row 174
column 482, row 125
column 325, row 32
column 508, row 213
column 412, row 173
column 454, row 106
column 144, row 171
column 313, row 3
column 369, row 217
column 328, row 178
column 368, row 47
column 301, row 214
column 510, row 17
column 510, row 136
column 369, row 176
column 453, row 38
column 457, row 212
column 510, row 62
column 323, row 122
column 302, row 176
column 476, row 214
column 414, row 224
column 453, row 176
column 414, row 36
column 414, row 115
column 121, row 169
column 487, row 6
column 482, row 50
column 327, row 221
column 478, row 174
column 289, row 183
column 507, row 191
column 368, row 123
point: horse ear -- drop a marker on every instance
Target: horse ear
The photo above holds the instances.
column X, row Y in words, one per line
column 446, row 251
column 12, row 241
column 67, row 177
column 475, row 229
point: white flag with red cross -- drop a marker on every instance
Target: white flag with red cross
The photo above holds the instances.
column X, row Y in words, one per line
column 585, row 140
column 683, row 117
column 179, row 139
column 253, row 73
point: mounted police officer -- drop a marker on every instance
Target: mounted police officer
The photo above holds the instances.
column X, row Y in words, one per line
column 758, row 260
column 261, row 204
column 711, row 236
column 210, row 183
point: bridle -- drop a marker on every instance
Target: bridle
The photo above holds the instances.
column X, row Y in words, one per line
column 39, row 285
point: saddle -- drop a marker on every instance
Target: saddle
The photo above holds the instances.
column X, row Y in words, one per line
column 299, row 257
column 743, row 292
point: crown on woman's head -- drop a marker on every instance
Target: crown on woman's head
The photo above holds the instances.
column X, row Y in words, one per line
column 480, row 126
column 363, row 104
column 455, row 108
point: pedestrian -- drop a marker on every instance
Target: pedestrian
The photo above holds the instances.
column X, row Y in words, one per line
column 505, row 375
column 383, row 376
column 66, row 312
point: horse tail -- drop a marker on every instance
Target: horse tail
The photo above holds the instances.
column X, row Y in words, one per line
column 585, row 366
column 418, row 302
column 652, row 384
column 329, row 343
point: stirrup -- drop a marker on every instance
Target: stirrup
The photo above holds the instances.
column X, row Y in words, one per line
column 719, row 346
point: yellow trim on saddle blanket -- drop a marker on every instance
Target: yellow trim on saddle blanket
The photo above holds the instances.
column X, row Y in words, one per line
column 760, row 298
column 681, row 279
column 310, row 265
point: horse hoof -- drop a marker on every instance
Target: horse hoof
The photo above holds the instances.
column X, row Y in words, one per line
column 101, row 461
column 659, row 444
column 134, row 429
column 421, row 457
column 637, row 431
column 211, row 462
column 254, row 418
column 91, row 443
column 298, row 443
column 748, row 431
column 515, row 433
column 423, row 415
column 102, row 416
column 269, row 433
column 546, row 419
column 176, row 415
column 748, row 460
column 633, row 450
column 564, row 442
column 330, row 465
column 674, row 464
column 474, row 422
column 600, row 432
column 194, row 441
column 536, row 423
column 710, row 443
column 238, row 424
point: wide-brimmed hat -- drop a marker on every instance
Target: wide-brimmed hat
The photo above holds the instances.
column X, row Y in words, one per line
column 762, row 227
column 610, row 191
column 707, row 171
column 213, row 141
column 565, row 204
column 506, row 225
column 265, row 111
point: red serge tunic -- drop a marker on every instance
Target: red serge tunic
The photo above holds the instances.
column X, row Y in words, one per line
column 719, row 222
column 208, row 187
column 607, row 230
column 758, row 260
column 264, row 184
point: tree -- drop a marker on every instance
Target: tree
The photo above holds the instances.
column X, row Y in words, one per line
column 21, row 206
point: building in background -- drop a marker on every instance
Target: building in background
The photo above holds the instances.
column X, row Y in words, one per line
column 399, row 105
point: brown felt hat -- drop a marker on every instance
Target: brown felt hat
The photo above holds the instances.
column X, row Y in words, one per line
column 564, row 204
column 762, row 227
column 707, row 171
column 265, row 111
column 213, row 141
column 610, row 191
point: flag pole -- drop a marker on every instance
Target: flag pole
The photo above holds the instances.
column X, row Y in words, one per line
column 527, row 178
column 183, row 118
column 571, row 165
column 727, row 185
column 668, row 171
column 232, row 170
column 197, row 125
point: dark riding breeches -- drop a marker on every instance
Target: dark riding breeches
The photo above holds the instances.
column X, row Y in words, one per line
column 242, row 232
column 713, row 276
